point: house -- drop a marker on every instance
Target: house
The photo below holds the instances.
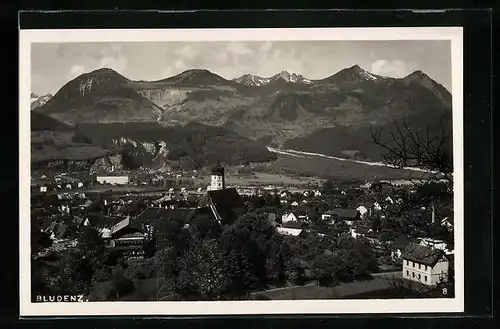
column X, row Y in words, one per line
column 347, row 215
column 329, row 216
column 374, row 238
column 87, row 204
column 128, row 238
column 289, row 231
column 283, row 195
column 288, row 217
column 113, row 180
column 61, row 232
column 295, row 203
column 43, row 188
column 359, row 231
column 80, row 184
column 317, row 193
column 100, row 221
column 64, row 196
column 423, row 264
column 398, row 246
column 363, row 211
column 293, row 217
column 283, row 201
column 226, row 204
column 434, row 243
column 295, row 228
column 162, row 220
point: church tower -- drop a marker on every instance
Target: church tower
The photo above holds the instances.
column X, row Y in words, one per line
column 217, row 181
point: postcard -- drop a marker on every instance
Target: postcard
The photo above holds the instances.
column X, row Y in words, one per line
column 241, row 171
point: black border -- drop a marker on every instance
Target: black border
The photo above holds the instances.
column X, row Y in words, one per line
column 477, row 120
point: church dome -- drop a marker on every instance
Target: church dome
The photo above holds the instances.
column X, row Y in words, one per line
column 218, row 170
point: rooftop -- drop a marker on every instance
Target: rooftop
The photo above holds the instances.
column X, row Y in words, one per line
column 344, row 213
column 227, row 203
column 217, row 169
column 422, row 254
column 155, row 216
column 293, row 224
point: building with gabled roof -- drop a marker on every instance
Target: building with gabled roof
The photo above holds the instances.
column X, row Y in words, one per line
column 289, row 231
column 349, row 216
column 424, row 264
column 226, row 205
column 128, row 238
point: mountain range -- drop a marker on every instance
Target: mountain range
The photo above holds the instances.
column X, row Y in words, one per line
column 285, row 76
column 37, row 100
column 330, row 115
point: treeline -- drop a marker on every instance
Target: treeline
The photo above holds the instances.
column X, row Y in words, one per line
column 335, row 141
column 191, row 146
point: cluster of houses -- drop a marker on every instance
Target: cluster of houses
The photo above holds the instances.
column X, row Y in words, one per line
column 133, row 235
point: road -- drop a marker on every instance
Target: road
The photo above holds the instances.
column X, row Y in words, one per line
column 302, row 154
column 363, row 286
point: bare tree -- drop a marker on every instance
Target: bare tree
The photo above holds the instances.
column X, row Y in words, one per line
column 408, row 147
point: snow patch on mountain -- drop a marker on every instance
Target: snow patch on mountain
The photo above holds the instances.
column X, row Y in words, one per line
column 37, row 100
column 257, row 81
column 290, row 77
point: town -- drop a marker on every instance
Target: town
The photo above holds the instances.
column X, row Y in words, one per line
column 139, row 235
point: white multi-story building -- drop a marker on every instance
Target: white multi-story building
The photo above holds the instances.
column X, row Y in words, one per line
column 424, row 264
column 113, row 180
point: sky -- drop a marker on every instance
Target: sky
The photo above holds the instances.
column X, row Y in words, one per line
column 54, row 64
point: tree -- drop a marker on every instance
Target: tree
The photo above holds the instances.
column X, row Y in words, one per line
column 387, row 235
column 75, row 273
column 122, row 284
column 278, row 259
column 328, row 187
column 201, row 271
column 325, row 270
column 39, row 239
column 410, row 147
column 247, row 245
column 376, row 223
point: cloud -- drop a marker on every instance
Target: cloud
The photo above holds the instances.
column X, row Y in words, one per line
column 396, row 68
column 238, row 49
column 117, row 63
column 266, row 46
column 186, row 51
column 75, row 71
column 180, row 65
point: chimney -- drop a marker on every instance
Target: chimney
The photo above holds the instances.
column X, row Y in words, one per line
column 433, row 215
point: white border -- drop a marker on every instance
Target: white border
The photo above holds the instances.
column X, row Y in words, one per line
column 454, row 34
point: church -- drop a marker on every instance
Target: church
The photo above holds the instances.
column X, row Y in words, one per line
column 225, row 204
column 219, row 206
